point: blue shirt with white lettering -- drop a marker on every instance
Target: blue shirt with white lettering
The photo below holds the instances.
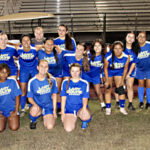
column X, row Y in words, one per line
column 41, row 91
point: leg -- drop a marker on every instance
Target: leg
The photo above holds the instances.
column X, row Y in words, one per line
column 23, row 87
column 3, row 121
column 69, row 122
column 13, row 122
column 130, row 82
column 121, row 93
column 147, row 93
column 59, row 82
column 49, row 121
column 141, row 92
column 100, row 95
column 108, row 97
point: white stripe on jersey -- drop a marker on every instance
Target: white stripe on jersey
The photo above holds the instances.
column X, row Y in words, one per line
column 30, row 82
column 63, row 83
column 69, row 54
column 11, row 46
column 10, row 78
column 87, row 90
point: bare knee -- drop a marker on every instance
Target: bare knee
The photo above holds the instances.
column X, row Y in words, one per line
column 50, row 126
column 14, row 127
column 2, row 129
column 69, row 129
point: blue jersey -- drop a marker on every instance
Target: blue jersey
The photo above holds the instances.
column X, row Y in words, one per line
column 75, row 93
column 133, row 59
column 41, row 92
column 143, row 59
column 27, row 59
column 61, row 43
column 8, row 92
column 95, row 72
column 6, row 56
column 55, row 68
column 119, row 64
column 69, row 59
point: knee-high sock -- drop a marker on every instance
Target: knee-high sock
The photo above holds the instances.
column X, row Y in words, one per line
column 122, row 103
column 108, row 105
column 23, row 101
column 141, row 93
column 148, row 95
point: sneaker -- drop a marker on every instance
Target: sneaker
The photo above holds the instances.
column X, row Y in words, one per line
column 147, row 105
column 22, row 114
column 108, row 111
column 32, row 125
column 123, row 111
column 131, row 107
column 84, row 125
column 141, row 105
column 103, row 108
column 117, row 105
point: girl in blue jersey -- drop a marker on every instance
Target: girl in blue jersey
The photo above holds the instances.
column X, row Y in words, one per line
column 64, row 41
column 96, row 66
column 28, row 66
column 79, row 56
column 54, row 55
column 131, row 48
column 9, row 99
column 6, row 54
column 115, row 67
column 143, row 69
column 75, row 94
column 42, row 95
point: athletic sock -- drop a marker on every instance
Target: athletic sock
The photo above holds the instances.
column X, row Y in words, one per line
column 122, row 103
column 23, row 102
column 58, row 105
column 148, row 95
column 103, row 104
column 141, row 93
column 108, row 105
column 33, row 119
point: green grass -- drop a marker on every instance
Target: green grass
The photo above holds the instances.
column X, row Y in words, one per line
column 115, row 132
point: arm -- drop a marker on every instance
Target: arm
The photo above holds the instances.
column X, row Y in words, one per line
column 31, row 101
column 54, row 97
column 85, row 102
column 16, row 106
column 106, row 64
column 58, row 49
column 125, row 70
column 131, row 69
column 63, row 103
column 38, row 47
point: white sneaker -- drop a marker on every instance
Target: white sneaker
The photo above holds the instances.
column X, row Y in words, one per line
column 22, row 114
column 123, row 111
column 108, row 111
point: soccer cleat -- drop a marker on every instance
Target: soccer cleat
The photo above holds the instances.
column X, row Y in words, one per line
column 141, row 105
column 108, row 111
column 32, row 125
column 117, row 105
column 22, row 114
column 103, row 108
column 123, row 111
column 147, row 105
column 131, row 107
column 84, row 125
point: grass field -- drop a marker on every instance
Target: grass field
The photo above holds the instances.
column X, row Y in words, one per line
column 115, row 132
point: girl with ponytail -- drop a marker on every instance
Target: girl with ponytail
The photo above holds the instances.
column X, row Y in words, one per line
column 65, row 41
column 42, row 95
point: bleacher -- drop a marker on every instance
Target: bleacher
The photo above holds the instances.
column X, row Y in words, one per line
column 87, row 15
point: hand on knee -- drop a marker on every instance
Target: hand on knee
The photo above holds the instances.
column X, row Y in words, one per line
column 35, row 111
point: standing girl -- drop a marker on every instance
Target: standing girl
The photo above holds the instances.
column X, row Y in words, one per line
column 28, row 67
column 143, row 69
column 9, row 99
column 96, row 67
column 116, row 67
column 6, row 54
column 42, row 96
column 75, row 94
column 64, row 41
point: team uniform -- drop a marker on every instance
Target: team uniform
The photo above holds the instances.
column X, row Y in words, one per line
column 133, row 59
column 96, row 67
column 28, row 63
column 69, row 59
column 74, row 95
column 6, row 56
column 143, row 63
column 61, row 43
column 119, row 64
column 41, row 92
column 8, row 92
column 55, row 68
